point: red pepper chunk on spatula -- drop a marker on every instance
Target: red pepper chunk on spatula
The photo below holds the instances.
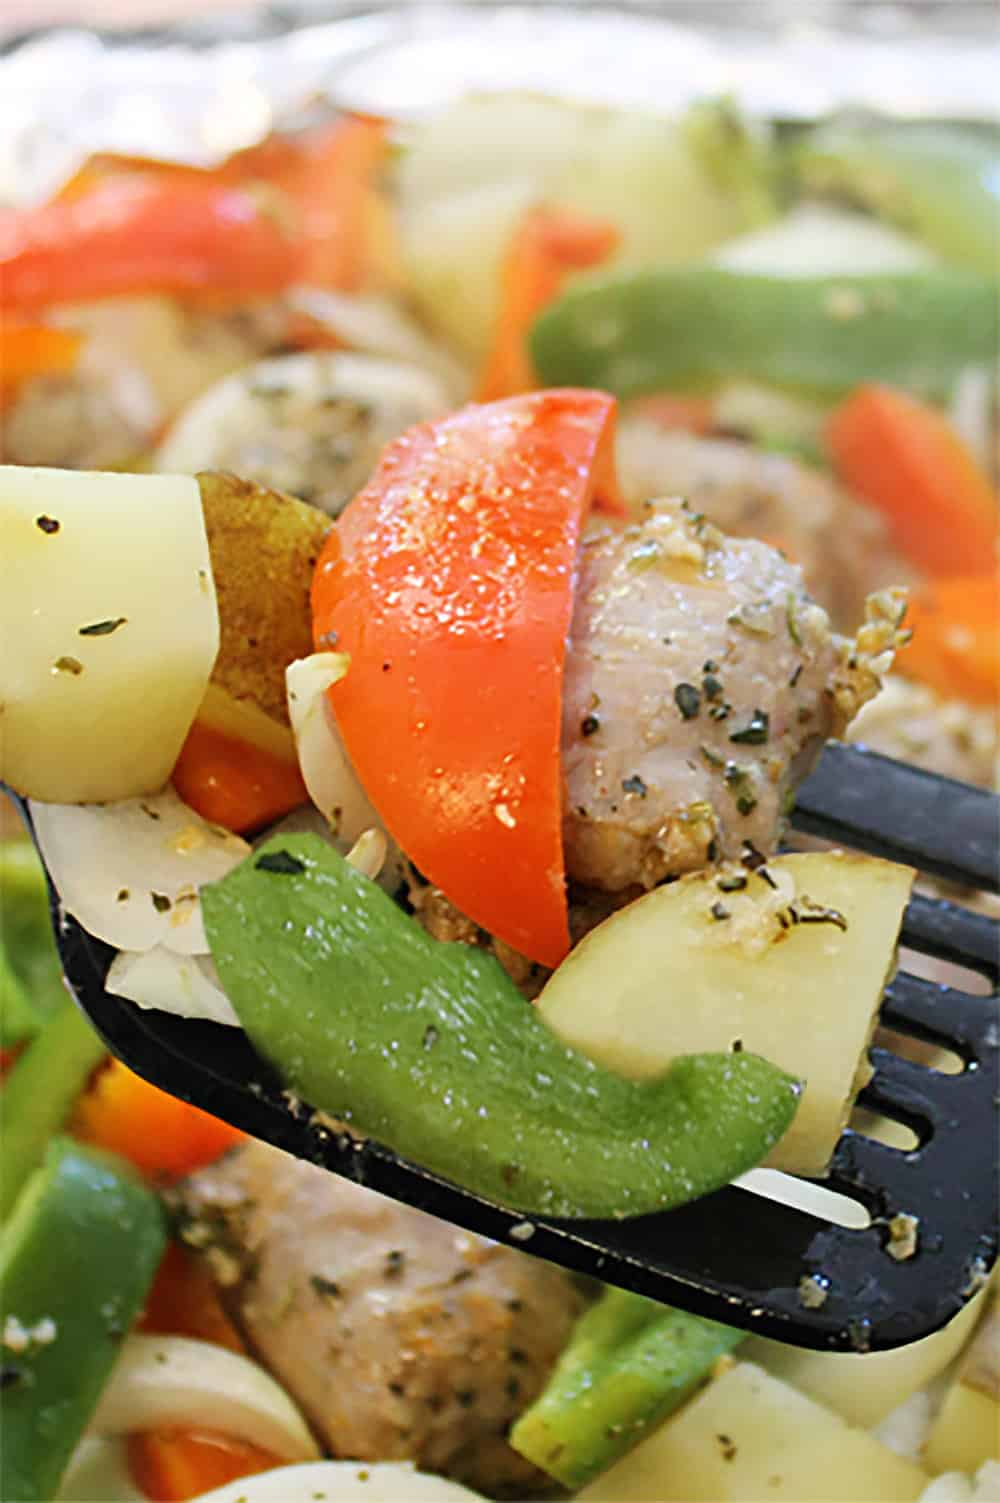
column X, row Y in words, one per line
column 449, row 582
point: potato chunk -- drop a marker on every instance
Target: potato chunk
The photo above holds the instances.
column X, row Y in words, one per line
column 966, row 1431
column 748, row 1436
column 264, row 547
column 865, row 1388
column 790, row 965
column 110, row 629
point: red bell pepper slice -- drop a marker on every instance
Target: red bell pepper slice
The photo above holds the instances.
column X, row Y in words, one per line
column 28, row 350
column 547, row 247
column 449, row 581
column 172, row 1466
column 229, row 782
column 133, row 235
column 291, row 210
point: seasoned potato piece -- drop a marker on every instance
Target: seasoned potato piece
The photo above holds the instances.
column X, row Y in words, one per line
column 967, row 1429
column 109, row 630
column 865, row 1388
column 748, row 1436
column 264, row 547
column 789, row 962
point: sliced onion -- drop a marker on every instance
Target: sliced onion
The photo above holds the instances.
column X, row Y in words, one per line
column 175, row 1382
column 187, row 985
column 129, row 872
column 99, row 1472
column 333, row 784
column 367, row 854
column 378, row 327
column 948, row 1487
column 341, row 1482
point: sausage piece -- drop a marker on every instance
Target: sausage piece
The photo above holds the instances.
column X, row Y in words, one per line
column 701, row 682
column 401, row 1336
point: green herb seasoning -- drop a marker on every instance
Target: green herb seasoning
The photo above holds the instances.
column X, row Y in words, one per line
column 645, row 556
column 103, row 628
column 756, row 732
column 755, row 616
column 739, row 781
column 792, row 618
column 687, row 700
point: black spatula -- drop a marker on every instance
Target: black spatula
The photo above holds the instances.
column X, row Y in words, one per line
column 735, row 1256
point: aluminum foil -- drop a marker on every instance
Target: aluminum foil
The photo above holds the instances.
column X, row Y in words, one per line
column 188, row 97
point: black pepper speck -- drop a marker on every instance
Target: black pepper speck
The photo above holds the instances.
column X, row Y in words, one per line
column 687, row 700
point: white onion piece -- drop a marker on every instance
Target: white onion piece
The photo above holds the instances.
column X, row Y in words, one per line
column 378, row 327
column 175, row 1382
column 129, row 871
column 367, row 854
column 99, row 1472
column 186, row 985
column 341, row 1482
column 327, row 772
column 949, row 1487
column 328, row 775
column 957, row 1487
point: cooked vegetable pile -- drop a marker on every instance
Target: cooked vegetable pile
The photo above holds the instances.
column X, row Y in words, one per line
column 563, row 478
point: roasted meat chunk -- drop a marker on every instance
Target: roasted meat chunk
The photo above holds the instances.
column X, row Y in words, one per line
column 701, row 682
column 401, row 1337
column 841, row 544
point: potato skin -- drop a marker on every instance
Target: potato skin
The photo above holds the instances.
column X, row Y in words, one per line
column 264, row 547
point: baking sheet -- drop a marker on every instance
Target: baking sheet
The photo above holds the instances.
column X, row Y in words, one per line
column 199, row 91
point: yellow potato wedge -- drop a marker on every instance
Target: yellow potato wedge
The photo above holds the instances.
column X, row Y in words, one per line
column 749, row 1437
column 264, row 547
column 792, row 969
column 109, row 627
column 966, row 1431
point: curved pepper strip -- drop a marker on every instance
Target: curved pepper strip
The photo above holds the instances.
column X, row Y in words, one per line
column 132, row 235
column 449, row 581
column 28, row 349
column 292, row 209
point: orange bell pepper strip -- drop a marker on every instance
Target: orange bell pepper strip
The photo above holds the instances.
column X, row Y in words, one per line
column 955, row 646
column 136, row 234
column 906, row 459
column 231, row 783
column 173, row 1465
column 163, row 1137
column 293, row 209
column 548, row 246
column 183, row 1302
column 449, row 582
column 330, row 180
column 28, row 349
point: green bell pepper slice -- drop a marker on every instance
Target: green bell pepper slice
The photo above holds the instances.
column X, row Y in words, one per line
column 430, row 1049
column 76, row 1260
column 628, row 1364
column 695, row 327
column 39, row 1093
column 939, row 182
column 31, row 985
